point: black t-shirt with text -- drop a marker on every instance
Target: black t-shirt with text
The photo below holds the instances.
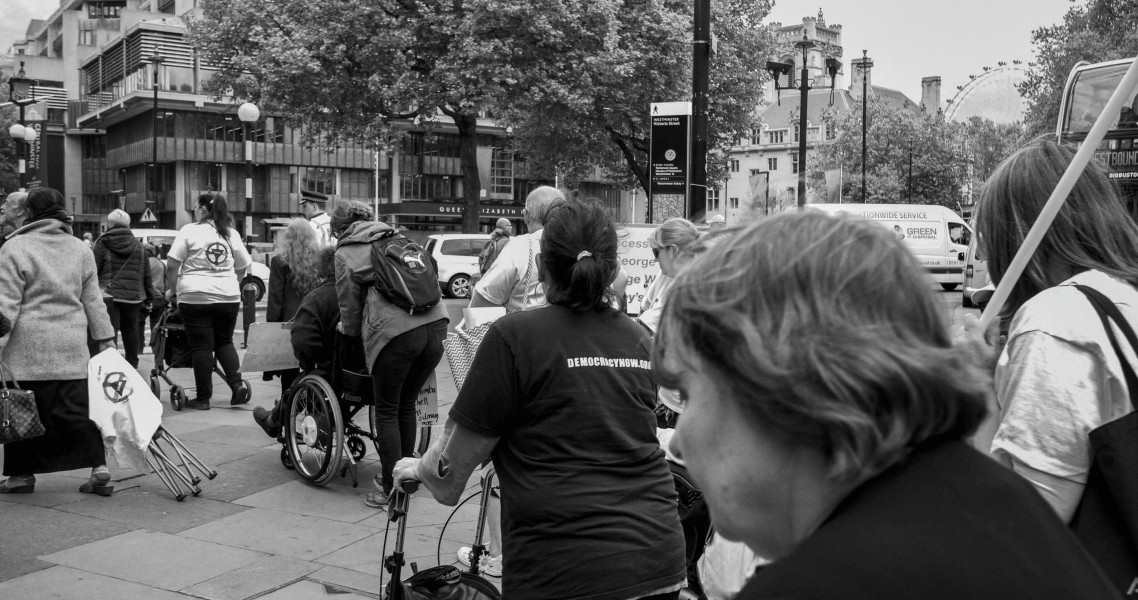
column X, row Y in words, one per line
column 588, row 503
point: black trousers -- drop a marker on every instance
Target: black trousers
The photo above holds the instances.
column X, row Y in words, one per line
column 124, row 318
column 209, row 331
column 157, row 307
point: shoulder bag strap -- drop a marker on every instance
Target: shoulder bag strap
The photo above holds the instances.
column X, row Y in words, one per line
column 119, row 272
column 1108, row 312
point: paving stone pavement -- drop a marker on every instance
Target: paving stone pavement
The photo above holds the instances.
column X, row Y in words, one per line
column 256, row 531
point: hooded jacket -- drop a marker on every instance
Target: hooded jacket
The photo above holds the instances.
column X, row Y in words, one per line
column 122, row 266
column 363, row 310
column 50, row 292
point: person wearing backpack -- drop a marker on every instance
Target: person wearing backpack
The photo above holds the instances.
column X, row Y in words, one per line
column 388, row 292
column 498, row 240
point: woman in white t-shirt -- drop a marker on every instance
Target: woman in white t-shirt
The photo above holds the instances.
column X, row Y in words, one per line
column 203, row 269
column 1057, row 377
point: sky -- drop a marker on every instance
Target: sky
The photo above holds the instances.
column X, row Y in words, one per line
column 907, row 39
column 911, row 39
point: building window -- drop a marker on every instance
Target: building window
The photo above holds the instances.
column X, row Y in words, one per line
column 208, row 176
column 776, row 137
column 425, row 187
column 733, row 165
column 756, row 171
column 502, row 172
column 733, row 203
column 756, row 136
column 87, row 37
column 318, row 179
column 772, row 164
column 831, row 131
column 793, row 163
column 712, row 198
column 105, row 10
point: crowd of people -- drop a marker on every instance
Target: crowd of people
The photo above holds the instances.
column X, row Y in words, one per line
column 837, row 429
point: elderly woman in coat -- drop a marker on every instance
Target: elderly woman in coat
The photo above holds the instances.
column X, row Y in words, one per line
column 49, row 289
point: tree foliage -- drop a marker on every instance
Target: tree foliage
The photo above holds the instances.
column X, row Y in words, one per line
column 1097, row 31
column 896, row 138
column 587, row 71
column 9, row 167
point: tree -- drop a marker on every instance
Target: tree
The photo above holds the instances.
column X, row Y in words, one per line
column 9, row 167
column 896, row 136
column 581, row 77
column 1097, row 31
column 986, row 145
column 345, row 70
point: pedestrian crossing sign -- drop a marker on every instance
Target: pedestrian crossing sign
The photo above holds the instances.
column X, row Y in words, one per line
column 148, row 216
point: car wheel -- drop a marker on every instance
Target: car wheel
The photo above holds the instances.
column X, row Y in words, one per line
column 257, row 283
column 948, row 287
column 459, row 286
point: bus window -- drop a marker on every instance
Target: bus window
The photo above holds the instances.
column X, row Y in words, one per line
column 1089, row 94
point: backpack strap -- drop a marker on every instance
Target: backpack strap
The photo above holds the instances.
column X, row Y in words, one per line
column 1108, row 312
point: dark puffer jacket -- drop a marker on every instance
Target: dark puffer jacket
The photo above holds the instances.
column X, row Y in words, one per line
column 122, row 266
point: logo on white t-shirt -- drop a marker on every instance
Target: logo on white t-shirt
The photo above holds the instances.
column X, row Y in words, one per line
column 216, row 253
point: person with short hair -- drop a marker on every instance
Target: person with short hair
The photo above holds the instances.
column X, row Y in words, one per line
column 203, row 269
column 49, row 289
column 13, row 213
column 513, row 281
column 124, row 276
column 825, row 420
column 588, row 502
column 503, row 229
column 312, row 206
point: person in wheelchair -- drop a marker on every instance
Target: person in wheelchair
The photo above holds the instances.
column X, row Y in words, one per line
column 313, row 333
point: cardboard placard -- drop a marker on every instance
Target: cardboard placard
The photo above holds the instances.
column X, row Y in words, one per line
column 270, row 348
column 427, row 404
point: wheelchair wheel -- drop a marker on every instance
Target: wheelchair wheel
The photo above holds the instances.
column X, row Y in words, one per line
column 286, row 460
column 357, row 447
column 314, row 430
column 155, row 386
column 424, row 434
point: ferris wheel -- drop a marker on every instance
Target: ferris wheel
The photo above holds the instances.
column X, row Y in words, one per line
column 992, row 95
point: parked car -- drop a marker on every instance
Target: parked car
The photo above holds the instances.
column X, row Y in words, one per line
column 457, row 256
column 975, row 275
column 164, row 238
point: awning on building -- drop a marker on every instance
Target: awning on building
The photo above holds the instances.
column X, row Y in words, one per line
column 444, row 209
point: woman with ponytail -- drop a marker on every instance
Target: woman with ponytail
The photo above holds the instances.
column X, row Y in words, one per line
column 562, row 397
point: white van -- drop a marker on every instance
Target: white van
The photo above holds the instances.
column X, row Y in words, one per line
column 937, row 236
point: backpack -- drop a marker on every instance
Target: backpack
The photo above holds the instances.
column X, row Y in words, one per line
column 404, row 273
column 488, row 254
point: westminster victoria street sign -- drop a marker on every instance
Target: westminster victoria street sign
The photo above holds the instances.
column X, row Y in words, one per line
column 669, row 154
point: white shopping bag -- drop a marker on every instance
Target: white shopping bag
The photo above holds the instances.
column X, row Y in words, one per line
column 125, row 410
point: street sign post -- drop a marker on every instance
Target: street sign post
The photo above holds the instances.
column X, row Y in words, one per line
column 669, row 159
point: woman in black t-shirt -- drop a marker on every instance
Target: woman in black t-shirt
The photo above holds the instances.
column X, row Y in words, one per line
column 562, row 399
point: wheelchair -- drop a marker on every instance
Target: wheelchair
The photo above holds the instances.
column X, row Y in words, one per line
column 320, row 437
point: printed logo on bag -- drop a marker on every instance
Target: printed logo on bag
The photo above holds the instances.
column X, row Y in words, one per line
column 216, row 253
column 414, row 261
column 116, row 387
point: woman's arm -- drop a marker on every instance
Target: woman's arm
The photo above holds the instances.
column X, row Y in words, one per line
column 349, row 296
column 448, row 463
column 173, row 265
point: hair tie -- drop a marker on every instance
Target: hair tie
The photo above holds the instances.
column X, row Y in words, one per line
column 583, row 254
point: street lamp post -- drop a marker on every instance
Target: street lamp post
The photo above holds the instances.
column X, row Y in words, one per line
column 152, row 168
column 864, row 117
column 777, row 69
column 248, row 113
column 20, row 93
column 910, row 170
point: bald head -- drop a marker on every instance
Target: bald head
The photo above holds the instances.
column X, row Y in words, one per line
column 502, row 223
column 538, row 203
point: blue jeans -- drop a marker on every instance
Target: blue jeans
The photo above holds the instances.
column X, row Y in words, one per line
column 402, row 368
column 209, row 331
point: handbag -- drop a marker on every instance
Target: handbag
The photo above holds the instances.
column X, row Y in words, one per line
column 19, row 415
column 1106, row 520
column 461, row 346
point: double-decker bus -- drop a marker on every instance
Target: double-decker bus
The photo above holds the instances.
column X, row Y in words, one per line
column 1088, row 88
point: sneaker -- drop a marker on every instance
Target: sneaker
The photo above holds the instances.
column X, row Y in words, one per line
column 264, row 418
column 376, row 499
column 240, row 394
column 489, row 565
column 198, row 404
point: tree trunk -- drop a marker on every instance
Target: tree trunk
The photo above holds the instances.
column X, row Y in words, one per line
column 467, row 123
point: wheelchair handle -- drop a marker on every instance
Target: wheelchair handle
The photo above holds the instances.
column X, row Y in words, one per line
column 410, row 486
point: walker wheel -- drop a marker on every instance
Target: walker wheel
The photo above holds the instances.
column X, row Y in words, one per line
column 357, row 448
column 286, row 460
column 177, row 397
column 155, row 386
